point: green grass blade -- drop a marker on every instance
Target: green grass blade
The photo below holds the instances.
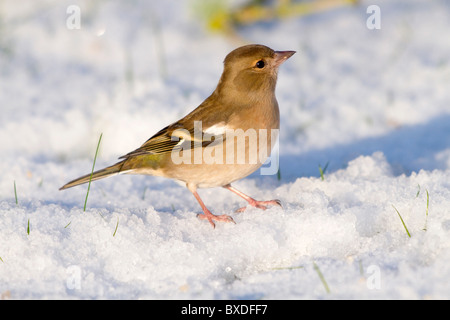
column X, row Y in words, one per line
column 361, row 269
column 28, row 227
column 322, row 278
column 426, row 213
column 322, row 171
column 15, row 193
column 287, row 268
column 403, row 222
column 117, row 225
column 159, row 46
column 93, row 166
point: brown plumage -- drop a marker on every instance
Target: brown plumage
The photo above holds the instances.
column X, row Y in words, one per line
column 243, row 103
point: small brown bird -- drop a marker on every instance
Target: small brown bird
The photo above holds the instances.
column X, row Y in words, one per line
column 226, row 138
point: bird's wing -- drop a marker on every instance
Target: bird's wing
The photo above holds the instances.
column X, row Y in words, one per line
column 174, row 137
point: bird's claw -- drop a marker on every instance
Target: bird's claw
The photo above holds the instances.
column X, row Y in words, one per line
column 263, row 205
column 210, row 217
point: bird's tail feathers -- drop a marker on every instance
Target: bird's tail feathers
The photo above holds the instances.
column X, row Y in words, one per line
column 100, row 174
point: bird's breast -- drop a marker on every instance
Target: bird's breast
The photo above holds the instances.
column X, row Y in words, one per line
column 228, row 150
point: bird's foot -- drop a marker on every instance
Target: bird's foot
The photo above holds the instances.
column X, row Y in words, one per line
column 261, row 204
column 210, row 217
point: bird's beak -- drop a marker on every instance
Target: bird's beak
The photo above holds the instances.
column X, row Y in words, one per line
column 282, row 56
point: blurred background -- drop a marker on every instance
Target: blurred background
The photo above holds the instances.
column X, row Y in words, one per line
column 362, row 80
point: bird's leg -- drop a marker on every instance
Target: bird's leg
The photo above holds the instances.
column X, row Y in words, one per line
column 254, row 203
column 207, row 214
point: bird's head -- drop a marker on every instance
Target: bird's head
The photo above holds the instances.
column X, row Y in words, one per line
column 252, row 69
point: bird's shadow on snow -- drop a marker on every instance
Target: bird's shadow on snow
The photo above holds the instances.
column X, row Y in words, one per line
column 407, row 149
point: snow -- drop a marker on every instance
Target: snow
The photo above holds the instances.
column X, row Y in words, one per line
column 373, row 104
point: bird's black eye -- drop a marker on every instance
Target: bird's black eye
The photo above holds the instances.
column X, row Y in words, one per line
column 260, row 64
